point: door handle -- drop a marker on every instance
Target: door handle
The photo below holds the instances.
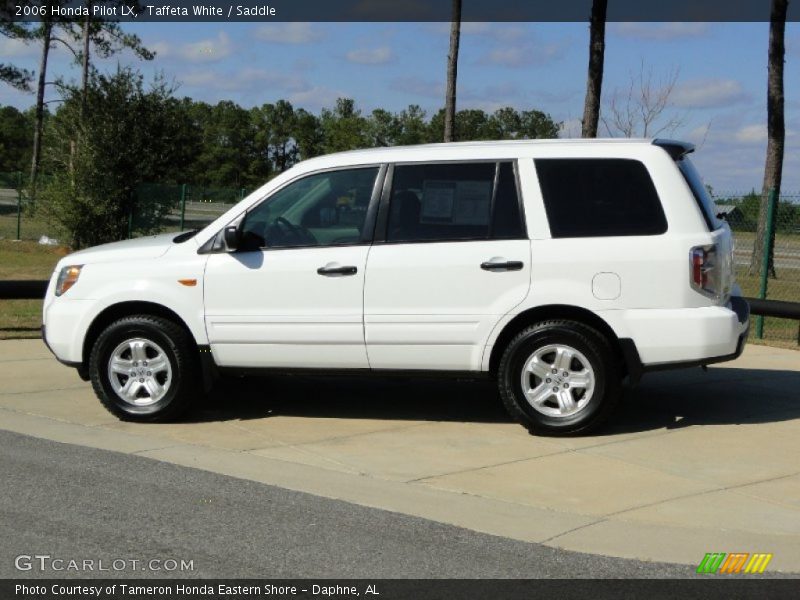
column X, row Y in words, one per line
column 506, row 265
column 330, row 270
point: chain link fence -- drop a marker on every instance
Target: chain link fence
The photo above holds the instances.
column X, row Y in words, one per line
column 178, row 207
column 190, row 206
column 155, row 207
column 782, row 281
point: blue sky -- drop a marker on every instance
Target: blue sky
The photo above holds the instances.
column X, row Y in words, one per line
column 719, row 69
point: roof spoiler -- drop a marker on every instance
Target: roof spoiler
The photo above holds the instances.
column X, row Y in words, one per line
column 677, row 150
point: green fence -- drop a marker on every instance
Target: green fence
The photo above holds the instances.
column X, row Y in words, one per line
column 155, row 207
column 782, row 280
column 182, row 206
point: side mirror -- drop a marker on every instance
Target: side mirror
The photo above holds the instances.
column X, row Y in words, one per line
column 233, row 237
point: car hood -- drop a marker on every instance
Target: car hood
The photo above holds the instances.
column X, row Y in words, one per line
column 138, row 248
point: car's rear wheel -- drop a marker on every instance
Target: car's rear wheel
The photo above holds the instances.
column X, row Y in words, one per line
column 559, row 377
column 143, row 368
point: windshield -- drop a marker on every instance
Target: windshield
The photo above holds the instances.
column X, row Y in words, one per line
column 700, row 193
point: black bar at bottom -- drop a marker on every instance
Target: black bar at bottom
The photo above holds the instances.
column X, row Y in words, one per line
column 709, row 587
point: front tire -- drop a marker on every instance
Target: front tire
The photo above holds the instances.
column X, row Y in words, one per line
column 559, row 378
column 143, row 368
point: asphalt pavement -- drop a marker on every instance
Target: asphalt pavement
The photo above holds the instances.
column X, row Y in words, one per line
column 74, row 503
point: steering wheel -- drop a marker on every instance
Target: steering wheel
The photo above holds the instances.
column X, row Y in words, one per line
column 294, row 232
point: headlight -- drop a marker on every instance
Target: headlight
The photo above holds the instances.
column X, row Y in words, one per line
column 67, row 278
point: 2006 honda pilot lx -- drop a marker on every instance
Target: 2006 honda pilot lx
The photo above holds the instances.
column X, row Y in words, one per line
column 559, row 268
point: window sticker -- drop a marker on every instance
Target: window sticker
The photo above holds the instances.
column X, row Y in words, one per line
column 473, row 202
column 456, row 202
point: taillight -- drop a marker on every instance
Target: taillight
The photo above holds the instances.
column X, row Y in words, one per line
column 704, row 271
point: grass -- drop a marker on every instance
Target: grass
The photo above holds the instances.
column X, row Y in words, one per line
column 24, row 260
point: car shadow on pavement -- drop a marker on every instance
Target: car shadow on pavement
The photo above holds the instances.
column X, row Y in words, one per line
column 720, row 396
column 344, row 397
column 664, row 400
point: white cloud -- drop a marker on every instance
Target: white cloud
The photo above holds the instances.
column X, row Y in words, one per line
column 208, row 50
column 13, row 48
column 370, row 56
column 523, row 55
column 571, row 128
column 418, row 86
column 660, row 32
column 316, row 97
column 244, row 80
column 498, row 31
column 752, row 134
column 162, row 49
column 288, row 33
column 708, row 93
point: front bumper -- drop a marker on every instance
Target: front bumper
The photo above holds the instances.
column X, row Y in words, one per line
column 83, row 371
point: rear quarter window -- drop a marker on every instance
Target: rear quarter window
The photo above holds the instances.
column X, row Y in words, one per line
column 700, row 193
column 599, row 198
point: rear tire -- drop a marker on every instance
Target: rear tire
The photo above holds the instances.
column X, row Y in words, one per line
column 145, row 368
column 559, row 377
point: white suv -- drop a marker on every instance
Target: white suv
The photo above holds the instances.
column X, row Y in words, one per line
column 557, row 267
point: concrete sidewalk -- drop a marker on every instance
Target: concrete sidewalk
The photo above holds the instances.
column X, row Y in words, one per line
column 694, row 462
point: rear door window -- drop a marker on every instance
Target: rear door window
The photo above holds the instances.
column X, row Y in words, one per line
column 590, row 197
column 454, row 201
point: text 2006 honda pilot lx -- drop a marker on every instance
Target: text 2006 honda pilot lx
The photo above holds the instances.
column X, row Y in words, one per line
column 558, row 268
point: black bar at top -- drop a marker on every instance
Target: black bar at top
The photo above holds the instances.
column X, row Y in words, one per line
column 410, row 10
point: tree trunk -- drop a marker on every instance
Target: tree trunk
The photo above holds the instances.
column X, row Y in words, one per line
column 47, row 30
column 776, row 133
column 85, row 63
column 594, row 83
column 452, row 74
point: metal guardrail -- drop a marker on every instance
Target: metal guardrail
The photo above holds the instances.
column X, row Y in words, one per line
column 23, row 289
column 774, row 308
column 35, row 290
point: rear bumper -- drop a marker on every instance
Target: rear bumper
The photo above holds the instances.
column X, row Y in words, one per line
column 725, row 328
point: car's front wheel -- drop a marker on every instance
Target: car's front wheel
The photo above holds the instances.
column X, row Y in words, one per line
column 143, row 369
column 559, row 377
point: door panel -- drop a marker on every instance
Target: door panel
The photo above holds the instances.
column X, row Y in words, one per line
column 432, row 306
column 271, row 308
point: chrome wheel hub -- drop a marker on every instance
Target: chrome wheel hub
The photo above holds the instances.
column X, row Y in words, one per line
column 558, row 380
column 139, row 372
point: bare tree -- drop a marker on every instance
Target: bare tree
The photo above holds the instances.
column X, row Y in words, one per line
column 644, row 109
column 452, row 74
column 594, row 83
column 776, row 133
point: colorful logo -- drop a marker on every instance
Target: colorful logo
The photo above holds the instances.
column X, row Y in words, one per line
column 734, row 563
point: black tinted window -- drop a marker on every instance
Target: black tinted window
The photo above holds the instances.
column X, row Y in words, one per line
column 599, row 197
column 455, row 201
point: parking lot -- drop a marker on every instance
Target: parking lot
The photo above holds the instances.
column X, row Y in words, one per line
column 694, row 461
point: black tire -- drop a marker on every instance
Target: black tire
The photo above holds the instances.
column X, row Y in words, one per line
column 594, row 348
column 178, row 348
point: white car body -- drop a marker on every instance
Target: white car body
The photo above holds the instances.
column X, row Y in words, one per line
column 419, row 306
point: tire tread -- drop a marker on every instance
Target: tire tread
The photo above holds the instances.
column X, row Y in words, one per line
column 589, row 336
